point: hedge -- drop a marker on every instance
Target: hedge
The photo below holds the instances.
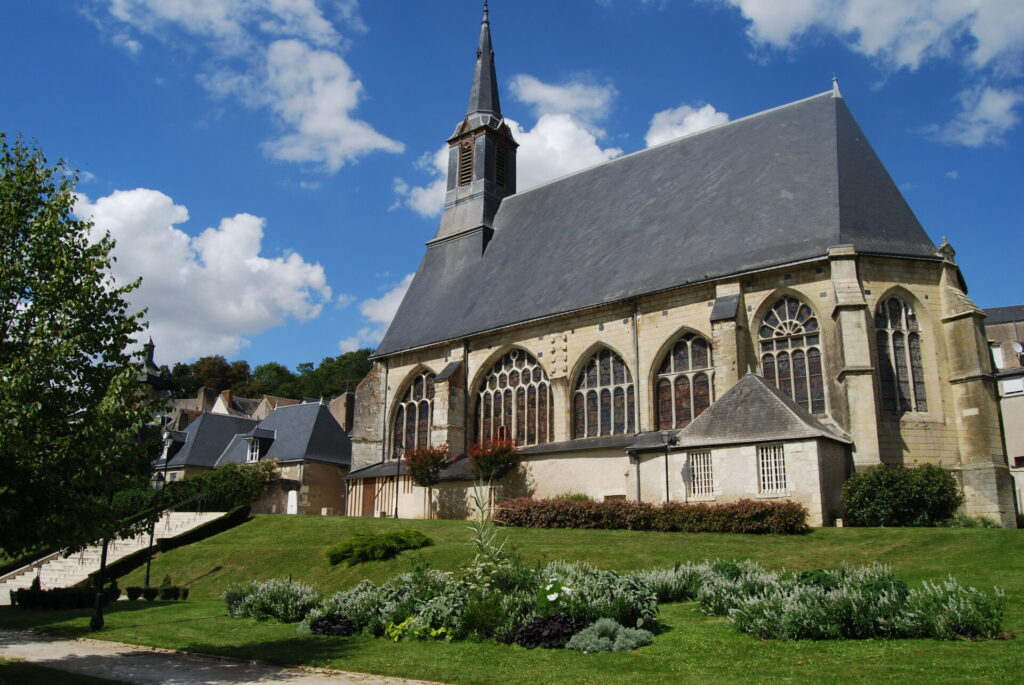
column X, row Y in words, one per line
column 129, row 563
column 744, row 516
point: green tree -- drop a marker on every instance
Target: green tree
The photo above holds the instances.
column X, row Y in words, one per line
column 71, row 407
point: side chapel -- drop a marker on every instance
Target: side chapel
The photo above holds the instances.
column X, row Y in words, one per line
column 748, row 311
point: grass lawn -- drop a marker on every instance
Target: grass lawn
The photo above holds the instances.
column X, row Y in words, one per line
column 692, row 647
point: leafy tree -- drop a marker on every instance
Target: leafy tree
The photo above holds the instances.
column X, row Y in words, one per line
column 71, row 407
column 893, row 495
column 185, row 382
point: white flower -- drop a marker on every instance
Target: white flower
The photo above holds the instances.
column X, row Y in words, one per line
column 553, row 596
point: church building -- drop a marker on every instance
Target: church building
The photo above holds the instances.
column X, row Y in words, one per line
column 751, row 311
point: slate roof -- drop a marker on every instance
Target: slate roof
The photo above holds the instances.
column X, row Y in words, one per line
column 752, row 411
column 773, row 188
column 205, row 439
column 1004, row 314
column 301, row 432
column 456, row 470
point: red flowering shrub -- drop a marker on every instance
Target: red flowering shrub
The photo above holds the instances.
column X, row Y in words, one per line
column 425, row 463
column 492, row 460
column 744, row 516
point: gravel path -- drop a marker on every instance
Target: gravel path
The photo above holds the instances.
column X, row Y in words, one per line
column 134, row 664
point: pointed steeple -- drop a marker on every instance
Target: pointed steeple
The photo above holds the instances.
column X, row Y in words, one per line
column 481, row 154
column 483, row 96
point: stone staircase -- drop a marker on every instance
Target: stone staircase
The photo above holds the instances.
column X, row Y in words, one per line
column 57, row 571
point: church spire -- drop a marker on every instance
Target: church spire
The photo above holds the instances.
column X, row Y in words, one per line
column 483, row 95
column 481, row 154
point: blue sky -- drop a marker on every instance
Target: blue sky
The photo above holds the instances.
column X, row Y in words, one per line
column 270, row 167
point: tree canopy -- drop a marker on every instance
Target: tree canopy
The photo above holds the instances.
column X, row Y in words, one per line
column 72, row 411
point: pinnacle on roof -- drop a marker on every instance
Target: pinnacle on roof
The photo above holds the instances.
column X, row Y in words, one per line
column 483, row 96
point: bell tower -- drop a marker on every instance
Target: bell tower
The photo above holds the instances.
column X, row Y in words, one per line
column 481, row 153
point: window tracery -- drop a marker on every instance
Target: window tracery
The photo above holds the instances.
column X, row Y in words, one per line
column 415, row 415
column 900, row 367
column 790, row 343
column 684, row 388
column 514, row 402
column 604, row 402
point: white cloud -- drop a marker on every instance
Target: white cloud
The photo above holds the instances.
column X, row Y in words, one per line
column 205, row 293
column 899, row 34
column 588, row 101
column 126, row 43
column 277, row 55
column 953, row 175
column 344, row 300
column 986, row 115
column 670, row 124
column 560, row 143
column 378, row 313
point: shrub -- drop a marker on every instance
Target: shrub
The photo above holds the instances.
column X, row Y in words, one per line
column 169, row 592
column 226, row 487
column 282, row 600
column 491, row 461
column 947, row 610
column 893, row 495
column 745, row 516
column 150, row 593
column 678, row 584
column 965, row 521
column 589, row 594
column 360, row 604
column 134, row 592
column 425, row 463
column 58, row 599
column 549, row 632
column 574, row 497
column 605, row 635
column 376, row 547
column 333, row 624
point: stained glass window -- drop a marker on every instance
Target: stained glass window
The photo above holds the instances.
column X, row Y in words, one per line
column 414, row 416
column 513, row 402
column 684, row 382
column 790, row 344
column 900, row 367
column 605, row 387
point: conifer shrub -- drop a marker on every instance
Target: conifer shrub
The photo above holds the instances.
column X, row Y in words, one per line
column 363, row 547
column 605, row 635
column 893, row 495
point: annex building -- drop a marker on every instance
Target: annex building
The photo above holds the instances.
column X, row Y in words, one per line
column 749, row 311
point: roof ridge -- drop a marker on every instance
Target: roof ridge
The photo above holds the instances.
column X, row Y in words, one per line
column 641, row 151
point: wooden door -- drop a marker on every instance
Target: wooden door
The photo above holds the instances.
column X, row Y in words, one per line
column 369, row 492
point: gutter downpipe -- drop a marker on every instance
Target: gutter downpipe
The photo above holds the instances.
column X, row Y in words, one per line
column 636, row 407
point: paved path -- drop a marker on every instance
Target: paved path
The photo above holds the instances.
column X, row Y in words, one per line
column 133, row 664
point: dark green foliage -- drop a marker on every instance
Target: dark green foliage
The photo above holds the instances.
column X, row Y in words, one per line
column 128, row 503
column 574, row 497
column 75, row 424
column 60, row 599
column 483, row 616
column 364, row 547
column 333, row 624
column 818, row 577
column 965, row 521
column 134, row 592
column 169, row 592
column 893, row 495
column 745, row 516
column 226, row 487
column 150, row 593
column 549, row 632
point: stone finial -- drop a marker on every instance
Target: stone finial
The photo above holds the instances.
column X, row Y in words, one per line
column 945, row 250
column 835, row 87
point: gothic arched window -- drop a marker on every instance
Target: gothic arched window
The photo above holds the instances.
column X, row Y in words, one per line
column 900, row 371
column 415, row 415
column 603, row 402
column 684, row 388
column 791, row 353
column 514, row 402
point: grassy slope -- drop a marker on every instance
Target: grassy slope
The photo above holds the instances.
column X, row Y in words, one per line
column 693, row 647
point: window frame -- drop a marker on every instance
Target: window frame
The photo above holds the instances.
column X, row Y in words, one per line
column 417, row 394
column 770, row 474
column 672, row 377
column 902, row 384
column 790, row 336
column 526, row 407
column 591, row 384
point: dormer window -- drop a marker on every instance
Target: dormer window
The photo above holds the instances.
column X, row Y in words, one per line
column 253, row 453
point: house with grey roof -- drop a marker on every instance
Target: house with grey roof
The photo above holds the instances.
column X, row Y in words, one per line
column 595, row 315
column 1004, row 327
column 198, row 447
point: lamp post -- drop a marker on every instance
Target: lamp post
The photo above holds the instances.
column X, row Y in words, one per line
column 399, row 451
column 157, row 482
column 669, row 439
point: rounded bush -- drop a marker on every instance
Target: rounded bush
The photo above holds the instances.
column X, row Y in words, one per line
column 893, row 495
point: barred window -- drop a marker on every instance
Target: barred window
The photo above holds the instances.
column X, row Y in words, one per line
column 415, row 415
column 791, row 353
column 603, row 402
column 514, row 402
column 702, row 478
column 684, row 388
column 900, row 370
column 771, row 469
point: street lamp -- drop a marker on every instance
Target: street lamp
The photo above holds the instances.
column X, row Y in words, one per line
column 669, row 439
column 157, row 483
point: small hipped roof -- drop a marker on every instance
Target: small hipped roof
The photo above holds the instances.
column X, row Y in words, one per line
column 755, row 411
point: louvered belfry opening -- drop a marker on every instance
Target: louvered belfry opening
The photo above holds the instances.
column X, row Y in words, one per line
column 466, row 163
